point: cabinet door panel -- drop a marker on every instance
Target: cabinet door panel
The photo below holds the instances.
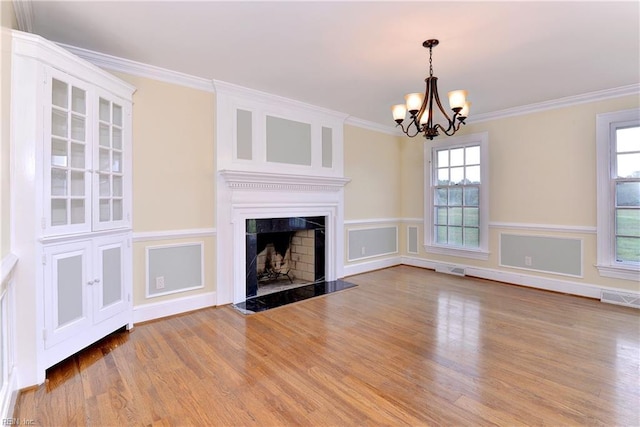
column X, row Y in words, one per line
column 66, row 289
column 111, row 264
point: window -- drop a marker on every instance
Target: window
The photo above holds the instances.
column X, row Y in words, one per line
column 618, row 152
column 457, row 197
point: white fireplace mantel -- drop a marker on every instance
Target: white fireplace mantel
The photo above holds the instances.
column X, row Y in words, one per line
column 260, row 181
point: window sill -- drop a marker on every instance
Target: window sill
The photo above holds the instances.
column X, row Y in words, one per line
column 619, row 272
column 458, row 252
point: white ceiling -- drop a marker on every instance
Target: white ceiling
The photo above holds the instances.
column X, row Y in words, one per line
column 361, row 57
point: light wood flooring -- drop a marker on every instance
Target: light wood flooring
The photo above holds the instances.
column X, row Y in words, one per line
column 406, row 347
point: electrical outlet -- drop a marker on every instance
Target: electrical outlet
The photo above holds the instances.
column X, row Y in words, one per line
column 160, row 282
column 528, row 261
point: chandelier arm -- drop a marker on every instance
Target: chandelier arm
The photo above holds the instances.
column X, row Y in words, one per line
column 406, row 131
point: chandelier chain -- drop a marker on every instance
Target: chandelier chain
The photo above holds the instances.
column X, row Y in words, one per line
column 430, row 63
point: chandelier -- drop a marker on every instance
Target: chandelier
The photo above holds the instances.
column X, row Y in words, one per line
column 420, row 107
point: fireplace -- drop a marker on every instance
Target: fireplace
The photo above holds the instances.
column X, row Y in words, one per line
column 284, row 250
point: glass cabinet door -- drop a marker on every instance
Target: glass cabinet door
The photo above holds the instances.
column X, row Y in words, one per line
column 110, row 159
column 66, row 290
column 67, row 156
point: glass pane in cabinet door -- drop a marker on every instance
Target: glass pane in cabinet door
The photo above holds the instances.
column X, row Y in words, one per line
column 117, row 115
column 116, row 164
column 77, row 183
column 59, row 155
column 105, row 210
column 105, row 110
column 117, row 186
column 58, row 211
column 69, row 280
column 77, row 128
column 59, row 123
column 59, row 93
column 104, row 161
column 77, row 156
column 104, row 136
column 105, row 188
column 58, row 182
column 117, row 209
column 78, row 101
column 117, row 139
column 111, row 276
column 77, row 211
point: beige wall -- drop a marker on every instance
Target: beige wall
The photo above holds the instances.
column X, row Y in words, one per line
column 542, row 171
column 7, row 21
column 372, row 161
column 173, row 174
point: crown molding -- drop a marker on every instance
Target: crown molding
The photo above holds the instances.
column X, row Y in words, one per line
column 140, row 69
column 243, row 180
column 24, row 15
column 568, row 101
column 377, row 127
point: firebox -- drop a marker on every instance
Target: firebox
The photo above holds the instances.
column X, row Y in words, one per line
column 284, row 249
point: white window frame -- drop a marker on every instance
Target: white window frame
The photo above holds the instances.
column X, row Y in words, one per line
column 606, row 126
column 430, row 246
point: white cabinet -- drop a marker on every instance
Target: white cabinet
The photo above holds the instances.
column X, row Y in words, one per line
column 71, row 196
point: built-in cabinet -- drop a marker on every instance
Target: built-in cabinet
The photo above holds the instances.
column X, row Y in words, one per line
column 71, row 146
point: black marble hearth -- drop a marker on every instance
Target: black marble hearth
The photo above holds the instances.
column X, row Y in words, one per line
column 301, row 293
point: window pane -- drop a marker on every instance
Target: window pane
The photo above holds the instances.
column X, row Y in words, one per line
column 105, row 210
column 455, row 236
column 77, row 183
column 105, row 187
column 455, row 196
column 117, row 138
column 457, row 157
column 441, row 216
column 58, row 152
column 104, row 136
column 471, row 237
column 104, row 161
column 473, row 174
column 58, row 182
column 77, row 156
column 77, row 211
column 628, row 165
column 117, row 186
column 628, row 139
column 59, row 123
column 117, row 115
column 443, row 176
column 627, row 193
column 441, row 234
column 628, row 222
column 105, row 113
column 455, row 216
column 443, row 158
column 116, row 162
column 117, row 210
column 472, row 155
column 77, row 128
column 58, row 211
column 471, row 196
column 628, row 249
column 59, row 93
column 457, row 176
column 471, row 216
column 78, row 100
column 441, row 196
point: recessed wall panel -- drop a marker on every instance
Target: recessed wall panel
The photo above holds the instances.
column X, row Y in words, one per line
column 174, row 268
column 558, row 255
column 244, row 135
column 288, row 141
column 371, row 242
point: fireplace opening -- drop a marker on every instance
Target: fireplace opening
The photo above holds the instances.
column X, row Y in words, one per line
column 284, row 252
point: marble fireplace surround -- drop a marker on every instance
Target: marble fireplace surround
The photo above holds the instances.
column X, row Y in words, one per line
column 261, row 195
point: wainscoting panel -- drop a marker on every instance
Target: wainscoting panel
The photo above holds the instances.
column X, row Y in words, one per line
column 412, row 239
column 559, row 255
column 372, row 242
column 174, row 268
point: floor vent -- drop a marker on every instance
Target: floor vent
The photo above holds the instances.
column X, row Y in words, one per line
column 448, row 269
column 621, row 298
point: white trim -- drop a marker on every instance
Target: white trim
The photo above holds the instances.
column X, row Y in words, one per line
column 23, row 10
column 148, row 236
column 618, row 272
column 374, row 126
column 140, row 69
column 373, row 221
column 245, row 180
column 568, row 101
column 8, row 264
column 349, row 259
column 583, row 229
column 457, row 251
column 367, row 266
column 8, row 403
column 147, row 282
column 549, row 284
column 157, row 310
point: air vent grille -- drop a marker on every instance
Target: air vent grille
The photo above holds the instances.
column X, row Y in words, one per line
column 621, row 298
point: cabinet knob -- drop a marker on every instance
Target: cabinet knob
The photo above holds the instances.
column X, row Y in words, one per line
column 96, row 281
column 90, row 282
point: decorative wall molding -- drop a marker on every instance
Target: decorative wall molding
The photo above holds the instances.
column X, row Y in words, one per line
column 582, row 229
column 8, row 264
column 148, row 236
column 373, row 221
column 568, row 101
column 24, row 15
column 377, row 127
column 157, row 310
column 140, row 69
column 265, row 181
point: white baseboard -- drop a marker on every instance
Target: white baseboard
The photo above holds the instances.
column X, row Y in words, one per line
column 549, row 284
column 363, row 267
column 156, row 310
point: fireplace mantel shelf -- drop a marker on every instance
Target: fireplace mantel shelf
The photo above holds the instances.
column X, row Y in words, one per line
column 244, row 180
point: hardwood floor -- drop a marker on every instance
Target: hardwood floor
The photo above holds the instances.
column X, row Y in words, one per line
column 406, row 347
